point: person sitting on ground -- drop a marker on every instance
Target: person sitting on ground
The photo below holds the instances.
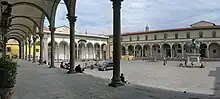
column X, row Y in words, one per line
column 202, row 65
column 78, row 69
column 45, row 62
column 61, row 65
column 123, row 78
column 181, row 64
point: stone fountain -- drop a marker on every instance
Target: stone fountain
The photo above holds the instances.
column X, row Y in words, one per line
column 192, row 49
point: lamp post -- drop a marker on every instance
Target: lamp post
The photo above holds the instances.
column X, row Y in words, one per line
column 116, row 81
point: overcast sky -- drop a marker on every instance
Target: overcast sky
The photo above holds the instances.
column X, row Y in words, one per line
column 95, row 16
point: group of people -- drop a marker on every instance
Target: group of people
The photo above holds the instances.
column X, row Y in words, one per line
column 78, row 68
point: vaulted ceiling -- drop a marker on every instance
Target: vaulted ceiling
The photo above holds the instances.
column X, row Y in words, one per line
column 27, row 15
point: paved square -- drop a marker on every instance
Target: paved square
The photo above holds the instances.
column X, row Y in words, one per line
column 154, row 74
column 41, row 82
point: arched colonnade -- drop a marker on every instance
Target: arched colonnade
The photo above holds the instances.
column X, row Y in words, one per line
column 170, row 50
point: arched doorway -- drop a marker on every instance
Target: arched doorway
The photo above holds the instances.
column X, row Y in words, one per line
column 63, row 51
column 138, row 51
column 97, row 51
column 90, row 50
column 123, row 51
column 214, row 50
column 203, row 48
column 156, row 50
column 104, row 49
column 146, row 51
column 177, row 50
column 166, row 50
column 13, row 49
column 81, row 51
column 131, row 50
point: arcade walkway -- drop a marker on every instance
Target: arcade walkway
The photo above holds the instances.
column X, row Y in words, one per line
column 38, row 82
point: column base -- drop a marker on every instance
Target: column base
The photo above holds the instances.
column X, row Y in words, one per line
column 71, row 72
column 52, row 66
column 116, row 84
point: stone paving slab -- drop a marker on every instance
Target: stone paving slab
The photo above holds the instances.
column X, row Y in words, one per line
column 41, row 82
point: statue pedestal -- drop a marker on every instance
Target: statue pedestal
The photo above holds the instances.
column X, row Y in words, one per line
column 193, row 59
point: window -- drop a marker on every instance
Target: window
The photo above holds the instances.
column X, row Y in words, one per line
column 146, row 37
column 214, row 51
column 155, row 37
column 8, row 49
column 188, row 35
column 137, row 38
column 176, row 36
column 165, row 36
column 37, row 50
column 201, row 34
column 214, row 34
column 130, row 38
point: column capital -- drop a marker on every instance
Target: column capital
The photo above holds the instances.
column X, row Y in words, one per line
column 116, row 0
column 71, row 18
column 41, row 35
column 29, row 41
column 34, row 38
column 52, row 29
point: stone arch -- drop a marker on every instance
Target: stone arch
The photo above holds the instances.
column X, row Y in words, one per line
column 146, row 50
column 97, row 50
column 177, row 50
column 138, row 51
column 103, row 51
column 63, row 51
column 156, row 50
column 15, row 51
column 123, row 50
column 16, row 33
column 16, row 29
column 131, row 50
column 35, row 6
column 25, row 17
column 22, row 26
column 166, row 50
column 203, row 50
column 89, row 47
column 214, row 50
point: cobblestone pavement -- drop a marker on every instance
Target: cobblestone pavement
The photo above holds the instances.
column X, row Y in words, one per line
column 41, row 82
column 171, row 77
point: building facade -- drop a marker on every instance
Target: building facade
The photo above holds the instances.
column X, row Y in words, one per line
column 170, row 42
column 147, row 44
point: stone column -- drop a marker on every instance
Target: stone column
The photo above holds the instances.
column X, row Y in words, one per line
column 58, row 51
column 207, row 51
column 52, row 30
column 72, row 20
column 151, row 51
column 182, row 48
column 34, row 49
column 29, row 50
column 126, row 50
column 100, row 56
column 142, row 51
column 116, row 81
column 22, row 51
column 41, row 48
column 171, row 50
column 162, row 51
column 45, row 50
column 26, row 51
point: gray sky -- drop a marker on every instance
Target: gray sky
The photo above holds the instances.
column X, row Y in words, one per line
column 95, row 16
